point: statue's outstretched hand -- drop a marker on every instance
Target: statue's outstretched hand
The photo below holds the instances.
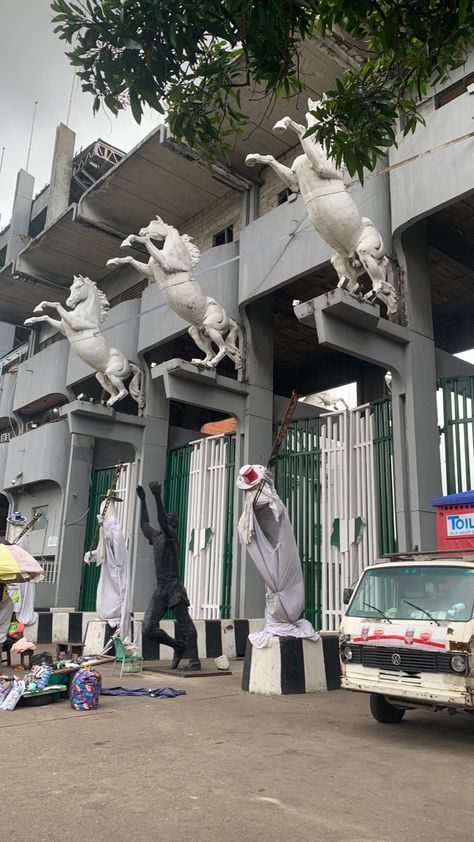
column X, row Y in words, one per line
column 155, row 487
column 140, row 492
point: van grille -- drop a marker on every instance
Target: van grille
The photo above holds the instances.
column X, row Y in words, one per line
column 411, row 660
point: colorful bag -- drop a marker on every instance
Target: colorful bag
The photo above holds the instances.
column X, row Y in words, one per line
column 85, row 689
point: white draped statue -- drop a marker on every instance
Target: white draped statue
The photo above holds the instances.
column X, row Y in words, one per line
column 113, row 602
column 266, row 532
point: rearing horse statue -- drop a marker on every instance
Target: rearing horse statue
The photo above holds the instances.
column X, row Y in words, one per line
column 80, row 325
column 333, row 213
column 171, row 268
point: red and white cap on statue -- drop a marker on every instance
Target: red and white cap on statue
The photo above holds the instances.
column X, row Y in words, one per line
column 249, row 476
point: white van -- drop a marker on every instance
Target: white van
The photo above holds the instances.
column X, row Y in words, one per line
column 407, row 637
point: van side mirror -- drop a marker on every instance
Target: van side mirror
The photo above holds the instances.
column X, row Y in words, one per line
column 347, row 595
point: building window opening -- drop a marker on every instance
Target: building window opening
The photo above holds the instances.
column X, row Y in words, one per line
column 42, row 521
column 453, row 91
column 224, row 236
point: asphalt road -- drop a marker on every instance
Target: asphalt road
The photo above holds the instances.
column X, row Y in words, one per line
column 218, row 765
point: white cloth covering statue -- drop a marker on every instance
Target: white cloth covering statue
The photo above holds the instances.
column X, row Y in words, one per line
column 171, row 268
column 22, row 594
column 266, row 532
column 333, row 213
column 113, row 591
column 81, row 326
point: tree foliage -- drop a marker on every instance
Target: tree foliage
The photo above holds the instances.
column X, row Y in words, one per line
column 191, row 59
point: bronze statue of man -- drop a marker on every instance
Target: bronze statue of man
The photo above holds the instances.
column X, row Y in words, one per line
column 170, row 593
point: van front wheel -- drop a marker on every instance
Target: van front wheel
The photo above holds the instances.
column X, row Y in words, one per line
column 383, row 711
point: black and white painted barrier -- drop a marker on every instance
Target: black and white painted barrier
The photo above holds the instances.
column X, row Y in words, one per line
column 289, row 665
column 215, row 637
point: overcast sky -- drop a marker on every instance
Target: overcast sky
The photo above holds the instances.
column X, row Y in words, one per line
column 33, row 67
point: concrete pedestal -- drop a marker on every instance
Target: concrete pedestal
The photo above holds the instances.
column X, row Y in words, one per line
column 289, row 665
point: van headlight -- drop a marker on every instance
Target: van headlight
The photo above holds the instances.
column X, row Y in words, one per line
column 347, row 653
column 458, row 663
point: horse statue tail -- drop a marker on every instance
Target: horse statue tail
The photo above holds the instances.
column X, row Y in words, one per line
column 137, row 387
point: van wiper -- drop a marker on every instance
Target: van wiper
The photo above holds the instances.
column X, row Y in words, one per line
column 423, row 610
column 374, row 608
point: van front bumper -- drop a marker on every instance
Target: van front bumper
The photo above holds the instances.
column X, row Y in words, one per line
column 423, row 689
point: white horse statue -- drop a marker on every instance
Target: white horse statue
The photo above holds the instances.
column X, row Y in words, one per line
column 333, row 213
column 171, row 268
column 80, row 325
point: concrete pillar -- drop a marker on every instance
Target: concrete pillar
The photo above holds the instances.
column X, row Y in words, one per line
column 61, row 173
column 417, row 410
column 7, row 336
column 152, row 466
column 248, row 588
column 21, row 214
column 74, row 520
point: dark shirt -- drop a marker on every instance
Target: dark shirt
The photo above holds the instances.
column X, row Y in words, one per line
column 165, row 552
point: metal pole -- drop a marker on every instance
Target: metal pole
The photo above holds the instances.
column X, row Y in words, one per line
column 31, row 135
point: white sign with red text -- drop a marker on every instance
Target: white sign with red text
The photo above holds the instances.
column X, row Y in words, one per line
column 402, row 635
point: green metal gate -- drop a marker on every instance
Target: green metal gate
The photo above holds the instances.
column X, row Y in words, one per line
column 176, row 494
column 315, row 469
column 457, row 432
column 102, row 479
column 384, row 479
column 297, row 480
column 176, row 499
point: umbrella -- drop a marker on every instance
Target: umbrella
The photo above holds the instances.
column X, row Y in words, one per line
column 17, row 565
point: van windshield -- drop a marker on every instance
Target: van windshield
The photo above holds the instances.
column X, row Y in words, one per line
column 445, row 593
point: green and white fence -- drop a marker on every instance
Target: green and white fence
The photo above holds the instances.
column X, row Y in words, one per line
column 335, row 475
column 101, row 481
column 456, row 421
column 200, row 488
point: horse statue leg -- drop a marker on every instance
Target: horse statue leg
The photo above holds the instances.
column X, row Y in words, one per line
column 107, row 385
column 136, row 388
column 223, row 332
column 204, row 344
column 346, row 273
column 370, row 251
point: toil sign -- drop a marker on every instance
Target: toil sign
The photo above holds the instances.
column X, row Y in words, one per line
column 460, row 525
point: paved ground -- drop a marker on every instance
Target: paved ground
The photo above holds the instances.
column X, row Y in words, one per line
column 217, row 765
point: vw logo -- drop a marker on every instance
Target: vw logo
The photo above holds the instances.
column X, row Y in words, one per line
column 396, row 659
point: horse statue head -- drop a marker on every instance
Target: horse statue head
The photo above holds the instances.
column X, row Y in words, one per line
column 83, row 289
column 159, row 231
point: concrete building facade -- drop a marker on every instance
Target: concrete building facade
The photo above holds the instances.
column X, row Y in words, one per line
column 265, row 263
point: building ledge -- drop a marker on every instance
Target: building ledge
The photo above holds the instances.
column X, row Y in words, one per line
column 101, row 413
column 352, row 310
column 198, row 373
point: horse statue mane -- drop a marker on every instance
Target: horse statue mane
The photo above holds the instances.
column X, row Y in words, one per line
column 102, row 298
column 192, row 248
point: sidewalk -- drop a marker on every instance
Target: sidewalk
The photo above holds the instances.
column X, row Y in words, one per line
column 218, row 765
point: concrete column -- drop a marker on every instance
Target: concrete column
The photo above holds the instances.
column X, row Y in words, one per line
column 7, row 335
column 61, row 173
column 152, row 466
column 74, row 520
column 21, row 214
column 248, row 588
column 419, row 442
